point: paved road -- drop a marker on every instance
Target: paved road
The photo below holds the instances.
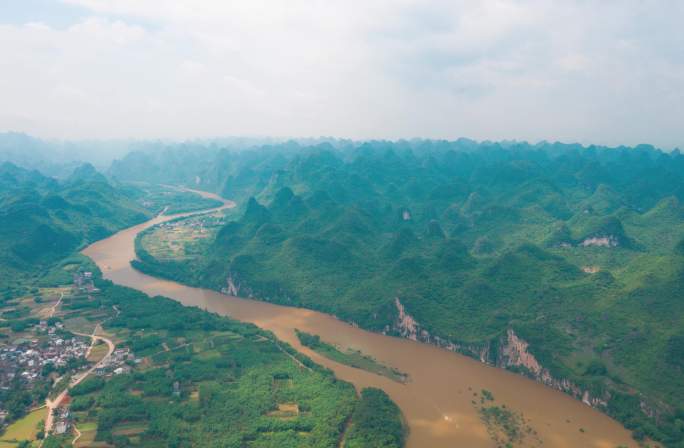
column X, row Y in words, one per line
column 52, row 404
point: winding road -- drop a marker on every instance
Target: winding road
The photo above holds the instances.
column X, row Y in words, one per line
column 51, row 405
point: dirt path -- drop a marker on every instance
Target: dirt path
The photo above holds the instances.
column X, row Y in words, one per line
column 53, row 310
column 345, row 430
column 298, row 362
column 168, row 349
column 53, row 404
column 78, row 436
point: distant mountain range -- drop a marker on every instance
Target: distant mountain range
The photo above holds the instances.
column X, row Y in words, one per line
column 58, row 158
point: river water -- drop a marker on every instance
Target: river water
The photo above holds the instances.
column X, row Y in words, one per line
column 436, row 402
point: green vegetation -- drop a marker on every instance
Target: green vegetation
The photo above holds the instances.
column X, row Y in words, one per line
column 20, row 332
column 42, row 221
column 198, row 379
column 210, row 381
column 352, row 358
column 504, row 426
column 157, row 198
column 577, row 250
column 231, row 172
column 507, row 428
column 375, row 423
column 180, row 239
column 23, row 429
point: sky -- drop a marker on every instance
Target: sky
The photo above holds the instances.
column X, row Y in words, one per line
column 604, row 72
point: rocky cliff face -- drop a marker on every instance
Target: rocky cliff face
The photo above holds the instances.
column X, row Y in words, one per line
column 508, row 351
column 406, row 326
column 236, row 286
column 232, row 288
column 512, row 352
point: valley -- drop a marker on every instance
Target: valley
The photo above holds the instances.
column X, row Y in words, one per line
column 414, row 273
column 436, row 402
column 86, row 363
column 560, row 263
column 421, row 224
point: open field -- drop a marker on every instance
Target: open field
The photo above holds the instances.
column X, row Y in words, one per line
column 98, row 352
column 180, row 240
column 23, row 429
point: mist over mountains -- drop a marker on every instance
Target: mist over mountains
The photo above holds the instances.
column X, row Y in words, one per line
column 59, row 157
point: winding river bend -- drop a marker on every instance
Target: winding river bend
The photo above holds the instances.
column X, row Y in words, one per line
column 437, row 401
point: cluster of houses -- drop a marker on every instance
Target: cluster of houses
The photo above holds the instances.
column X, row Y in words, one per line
column 27, row 357
column 83, row 282
column 24, row 359
column 62, row 422
column 118, row 363
column 200, row 223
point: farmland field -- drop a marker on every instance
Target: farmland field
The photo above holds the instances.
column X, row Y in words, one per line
column 23, row 429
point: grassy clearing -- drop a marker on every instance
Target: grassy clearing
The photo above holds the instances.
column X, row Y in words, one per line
column 80, row 325
column 87, row 426
column 24, row 428
column 285, row 411
column 87, row 438
column 129, row 429
column 98, row 352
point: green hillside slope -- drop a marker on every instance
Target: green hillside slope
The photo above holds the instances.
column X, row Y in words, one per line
column 42, row 220
column 572, row 250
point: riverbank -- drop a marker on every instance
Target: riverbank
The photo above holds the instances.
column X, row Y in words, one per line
column 437, row 402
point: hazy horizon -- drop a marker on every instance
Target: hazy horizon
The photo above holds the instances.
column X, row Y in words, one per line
column 318, row 223
column 249, row 141
column 585, row 72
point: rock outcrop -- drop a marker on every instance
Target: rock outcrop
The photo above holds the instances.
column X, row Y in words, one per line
column 233, row 287
column 605, row 241
column 405, row 325
column 508, row 351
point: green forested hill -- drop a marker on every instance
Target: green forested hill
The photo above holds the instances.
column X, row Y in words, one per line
column 222, row 383
column 43, row 220
column 577, row 250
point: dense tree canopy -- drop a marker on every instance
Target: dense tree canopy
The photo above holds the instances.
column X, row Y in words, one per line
column 577, row 249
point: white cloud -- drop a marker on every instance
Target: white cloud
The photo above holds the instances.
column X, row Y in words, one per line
column 604, row 72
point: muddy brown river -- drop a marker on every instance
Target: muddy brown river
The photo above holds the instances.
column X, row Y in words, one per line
column 436, row 402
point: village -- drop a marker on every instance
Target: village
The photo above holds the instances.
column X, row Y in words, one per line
column 53, row 349
column 198, row 225
column 48, row 355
